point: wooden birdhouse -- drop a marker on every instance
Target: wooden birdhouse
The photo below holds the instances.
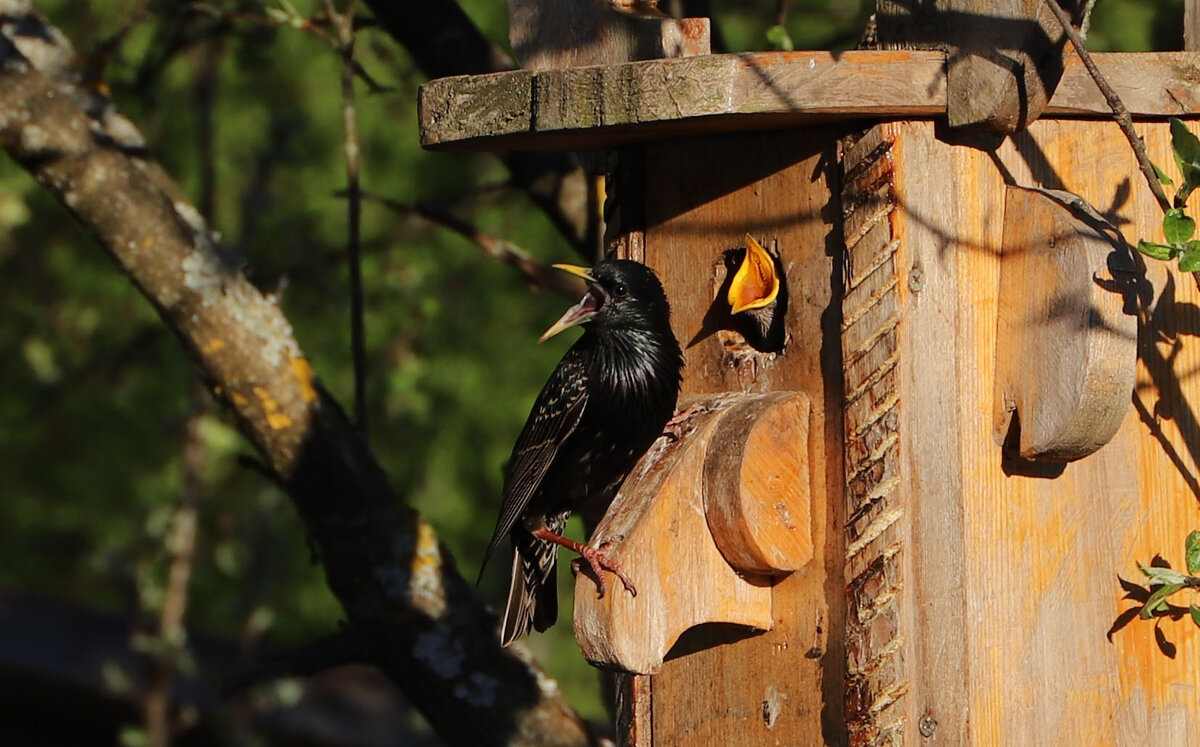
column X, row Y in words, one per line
column 903, row 518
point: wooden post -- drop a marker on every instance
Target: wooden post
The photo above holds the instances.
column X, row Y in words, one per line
column 1191, row 24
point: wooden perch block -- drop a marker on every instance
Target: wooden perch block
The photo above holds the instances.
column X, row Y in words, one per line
column 702, row 526
column 756, row 495
column 1066, row 351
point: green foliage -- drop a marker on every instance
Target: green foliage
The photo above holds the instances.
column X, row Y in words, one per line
column 1178, row 226
column 1136, row 26
column 780, row 39
column 1164, row 582
column 1191, row 550
column 97, row 390
column 1186, row 149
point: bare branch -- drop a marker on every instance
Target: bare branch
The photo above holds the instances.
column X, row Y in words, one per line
column 399, row 588
column 344, row 26
column 1120, row 113
column 443, row 41
column 495, row 248
column 181, row 548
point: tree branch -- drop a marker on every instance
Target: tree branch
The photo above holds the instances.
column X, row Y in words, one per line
column 400, row 590
column 1120, row 113
column 344, row 25
column 443, row 41
column 496, row 248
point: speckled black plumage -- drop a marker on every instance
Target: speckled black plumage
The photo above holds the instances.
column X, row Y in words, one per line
column 603, row 406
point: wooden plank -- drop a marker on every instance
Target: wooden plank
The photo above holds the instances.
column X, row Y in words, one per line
column 1191, row 24
column 784, row 686
column 878, row 663
column 979, row 598
column 929, row 434
column 1042, row 553
column 591, row 107
column 907, row 663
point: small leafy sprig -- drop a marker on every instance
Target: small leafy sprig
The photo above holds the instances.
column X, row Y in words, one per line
column 1166, row 582
column 1178, row 226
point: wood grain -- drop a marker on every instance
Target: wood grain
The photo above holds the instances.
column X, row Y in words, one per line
column 877, row 663
column 755, row 485
column 679, row 528
column 1041, row 554
column 1191, row 24
column 603, row 106
column 784, row 686
column 1066, row 340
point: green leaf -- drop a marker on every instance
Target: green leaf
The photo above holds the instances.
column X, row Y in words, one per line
column 1162, row 575
column 1156, row 250
column 1189, row 259
column 1186, row 149
column 1177, row 226
column 1191, row 552
column 1158, row 600
column 780, row 38
column 1162, row 176
column 1195, row 615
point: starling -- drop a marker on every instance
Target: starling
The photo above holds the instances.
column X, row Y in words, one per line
column 757, row 299
column 602, row 408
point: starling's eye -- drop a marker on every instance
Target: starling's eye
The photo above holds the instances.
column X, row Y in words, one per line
column 619, row 290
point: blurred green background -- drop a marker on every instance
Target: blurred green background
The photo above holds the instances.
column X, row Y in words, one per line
column 95, row 391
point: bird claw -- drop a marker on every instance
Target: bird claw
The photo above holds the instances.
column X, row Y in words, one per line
column 595, row 560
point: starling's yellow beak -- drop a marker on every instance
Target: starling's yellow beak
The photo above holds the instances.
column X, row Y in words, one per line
column 583, row 272
column 756, row 284
column 580, row 312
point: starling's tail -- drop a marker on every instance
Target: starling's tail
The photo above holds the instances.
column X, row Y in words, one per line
column 532, row 594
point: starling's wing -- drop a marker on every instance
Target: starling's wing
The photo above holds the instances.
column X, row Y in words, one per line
column 555, row 415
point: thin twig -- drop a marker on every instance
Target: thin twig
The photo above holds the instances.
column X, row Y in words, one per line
column 1120, row 113
column 343, row 23
column 1086, row 22
column 315, row 27
column 498, row 249
column 781, row 11
column 181, row 547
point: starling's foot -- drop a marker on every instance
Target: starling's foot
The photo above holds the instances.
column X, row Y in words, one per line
column 595, row 558
column 674, row 427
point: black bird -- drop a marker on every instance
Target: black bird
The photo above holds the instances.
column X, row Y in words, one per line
column 608, row 399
